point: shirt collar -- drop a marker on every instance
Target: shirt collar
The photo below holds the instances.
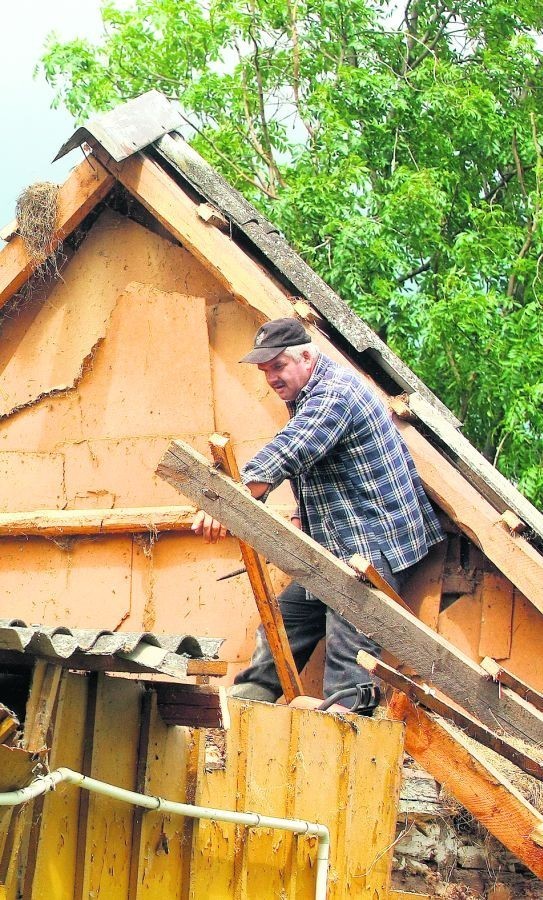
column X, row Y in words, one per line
column 320, row 368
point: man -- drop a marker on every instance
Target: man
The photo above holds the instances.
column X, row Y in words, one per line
column 357, row 491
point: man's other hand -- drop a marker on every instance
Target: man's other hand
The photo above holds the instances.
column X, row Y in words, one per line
column 211, row 530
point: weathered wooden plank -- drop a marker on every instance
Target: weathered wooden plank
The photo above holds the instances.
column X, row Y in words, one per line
column 264, row 594
column 87, row 185
column 427, row 697
column 394, row 628
column 482, row 474
column 479, row 787
column 496, row 615
column 59, row 522
column 502, row 676
column 519, row 561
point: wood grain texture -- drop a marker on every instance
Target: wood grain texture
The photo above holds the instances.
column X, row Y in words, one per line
column 468, row 776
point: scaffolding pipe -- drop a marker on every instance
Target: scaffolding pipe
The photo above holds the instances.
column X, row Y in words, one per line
column 251, row 820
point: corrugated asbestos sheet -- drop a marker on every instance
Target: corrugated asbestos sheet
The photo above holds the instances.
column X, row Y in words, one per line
column 99, row 650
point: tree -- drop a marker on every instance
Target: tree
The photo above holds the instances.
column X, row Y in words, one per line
column 399, row 150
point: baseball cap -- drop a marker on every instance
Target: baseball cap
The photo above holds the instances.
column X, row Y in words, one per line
column 272, row 338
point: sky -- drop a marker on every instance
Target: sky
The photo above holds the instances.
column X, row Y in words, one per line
column 32, row 132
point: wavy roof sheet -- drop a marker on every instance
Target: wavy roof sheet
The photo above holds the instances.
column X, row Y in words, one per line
column 101, row 650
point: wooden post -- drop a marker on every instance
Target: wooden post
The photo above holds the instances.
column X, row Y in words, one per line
column 266, row 601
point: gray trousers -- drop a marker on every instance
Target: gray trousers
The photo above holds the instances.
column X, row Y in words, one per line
column 307, row 620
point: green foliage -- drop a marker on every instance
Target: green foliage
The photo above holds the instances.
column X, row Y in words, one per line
column 398, row 150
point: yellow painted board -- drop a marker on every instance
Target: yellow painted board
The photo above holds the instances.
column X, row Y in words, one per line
column 57, row 848
column 160, row 864
column 371, row 818
column 213, row 853
column 266, row 790
column 115, row 746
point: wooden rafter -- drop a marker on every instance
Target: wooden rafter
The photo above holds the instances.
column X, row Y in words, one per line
column 446, row 754
column 87, row 185
column 437, row 702
column 397, row 630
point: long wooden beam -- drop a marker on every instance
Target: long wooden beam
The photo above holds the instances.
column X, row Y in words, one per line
column 370, row 610
column 446, row 754
column 437, row 702
column 123, row 520
column 87, row 185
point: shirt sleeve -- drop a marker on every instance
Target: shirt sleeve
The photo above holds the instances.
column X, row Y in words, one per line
column 307, row 438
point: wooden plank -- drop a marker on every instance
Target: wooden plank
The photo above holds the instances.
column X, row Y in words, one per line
column 88, row 184
column 397, row 630
column 114, row 760
column 264, row 594
column 502, row 676
column 424, row 588
column 140, row 786
column 242, row 277
column 476, row 784
column 519, row 561
column 482, row 474
column 81, row 862
column 207, row 667
column 366, row 571
column 163, row 849
column 59, row 522
column 192, row 705
column 496, row 615
column 427, row 697
column 56, row 860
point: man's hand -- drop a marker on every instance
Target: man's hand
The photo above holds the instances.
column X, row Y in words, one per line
column 210, row 528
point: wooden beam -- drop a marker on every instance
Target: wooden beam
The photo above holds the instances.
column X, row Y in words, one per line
column 240, row 275
column 193, row 705
column 446, row 754
column 88, row 184
column 397, row 630
column 365, row 571
column 437, row 702
column 264, row 594
column 519, row 561
column 131, row 520
column 502, row 676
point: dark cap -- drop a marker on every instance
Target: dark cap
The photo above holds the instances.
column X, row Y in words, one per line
column 272, row 338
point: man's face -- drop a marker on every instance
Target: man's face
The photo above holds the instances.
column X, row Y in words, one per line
column 287, row 376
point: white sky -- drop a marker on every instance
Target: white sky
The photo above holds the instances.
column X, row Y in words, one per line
column 31, row 132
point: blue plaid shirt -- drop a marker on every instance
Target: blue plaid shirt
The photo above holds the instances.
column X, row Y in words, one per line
column 353, row 477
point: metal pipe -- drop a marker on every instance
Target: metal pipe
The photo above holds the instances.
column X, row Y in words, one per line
column 252, row 820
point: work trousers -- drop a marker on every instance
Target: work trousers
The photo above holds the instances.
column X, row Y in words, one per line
column 307, row 620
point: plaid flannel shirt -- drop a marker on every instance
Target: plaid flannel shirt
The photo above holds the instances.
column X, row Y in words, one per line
column 355, row 482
